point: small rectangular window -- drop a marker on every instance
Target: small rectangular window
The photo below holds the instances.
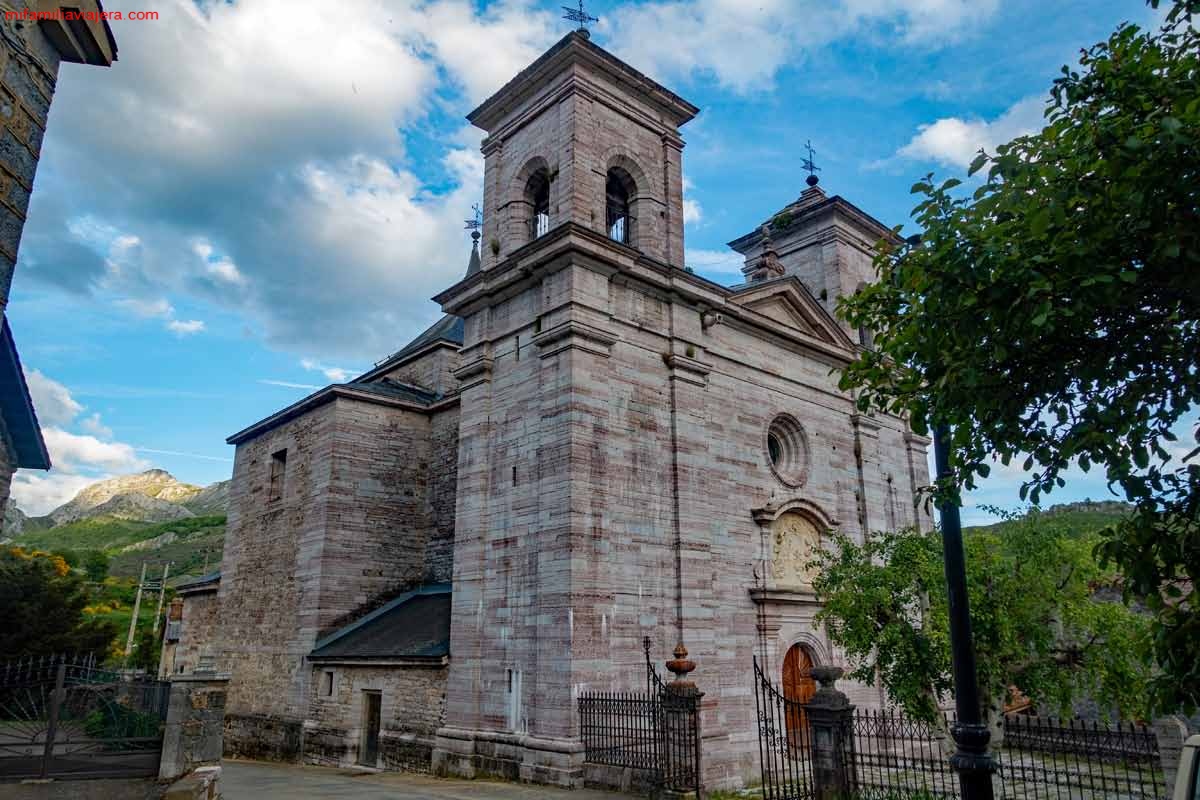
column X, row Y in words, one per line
column 514, row 700
column 327, row 683
column 278, row 475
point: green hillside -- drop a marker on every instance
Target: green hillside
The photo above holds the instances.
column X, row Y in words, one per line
column 189, row 543
column 1080, row 518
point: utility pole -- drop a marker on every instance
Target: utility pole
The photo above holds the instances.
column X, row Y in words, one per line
column 162, row 589
column 972, row 760
column 137, row 604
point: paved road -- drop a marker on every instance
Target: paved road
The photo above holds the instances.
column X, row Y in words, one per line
column 256, row 780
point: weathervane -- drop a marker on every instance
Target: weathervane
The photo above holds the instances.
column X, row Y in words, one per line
column 808, row 164
column 476, row 222
column 580, row 16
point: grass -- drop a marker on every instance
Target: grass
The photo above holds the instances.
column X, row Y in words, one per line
column 195, row 536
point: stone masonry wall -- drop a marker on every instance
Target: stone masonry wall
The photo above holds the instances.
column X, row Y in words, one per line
column 270, row 583
column 198, row 631
column 8, row 464
column 28, row 73
column 411, row 706
column 578, row 137
column 350, row 532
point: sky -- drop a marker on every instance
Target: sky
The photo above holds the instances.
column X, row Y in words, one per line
column 260, row 197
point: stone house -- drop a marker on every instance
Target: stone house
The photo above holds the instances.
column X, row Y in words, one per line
column 31, row 52
column 424, row 566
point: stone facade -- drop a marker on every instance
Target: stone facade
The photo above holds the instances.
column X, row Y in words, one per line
column 614, row 449
column 412, row 700
column 197, row 631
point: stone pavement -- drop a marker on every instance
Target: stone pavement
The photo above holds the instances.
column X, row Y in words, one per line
column 257, row 780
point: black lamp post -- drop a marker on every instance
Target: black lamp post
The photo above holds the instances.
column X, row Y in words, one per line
column 972, row 760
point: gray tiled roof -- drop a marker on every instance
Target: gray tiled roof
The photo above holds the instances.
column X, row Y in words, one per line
column 414, row 625
column 390, row 388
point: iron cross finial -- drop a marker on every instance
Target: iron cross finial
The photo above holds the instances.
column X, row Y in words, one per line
column 476, row 222
column 579, row 15
column 809, row 165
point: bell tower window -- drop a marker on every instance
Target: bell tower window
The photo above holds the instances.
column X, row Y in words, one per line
column 537, row 194
column 619, row 222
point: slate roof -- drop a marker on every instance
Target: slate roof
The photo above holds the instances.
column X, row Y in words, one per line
column 386, row 387
column 204, row 582
column 416, row 625
column 16, row 407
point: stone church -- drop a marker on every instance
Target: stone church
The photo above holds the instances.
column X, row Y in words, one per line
column 426, row 565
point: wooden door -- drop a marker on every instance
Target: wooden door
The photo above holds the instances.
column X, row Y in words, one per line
column 798, row 688
column 369, row 752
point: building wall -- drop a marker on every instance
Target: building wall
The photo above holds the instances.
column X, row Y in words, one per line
column 198, row 630
column 8, row 463
column 433, row 370
column 411, row 706
column 354, row 527
column 28, row 73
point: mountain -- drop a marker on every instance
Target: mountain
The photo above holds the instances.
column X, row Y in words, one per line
column 213, row 499
column 134, row 496
column 149, row 518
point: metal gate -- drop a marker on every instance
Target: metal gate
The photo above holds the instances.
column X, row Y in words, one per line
column 655, row 732
column 784, row 742
column 63, row 718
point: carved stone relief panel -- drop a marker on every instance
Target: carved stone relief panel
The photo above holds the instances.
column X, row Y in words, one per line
column 797, row 541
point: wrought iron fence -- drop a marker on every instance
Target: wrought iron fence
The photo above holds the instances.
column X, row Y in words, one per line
column 1041, row 759
column 655, row 732
column 62, row 717
column 784, row 742
column 888, row 756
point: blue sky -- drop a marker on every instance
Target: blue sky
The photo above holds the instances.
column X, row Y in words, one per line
column 261, row 195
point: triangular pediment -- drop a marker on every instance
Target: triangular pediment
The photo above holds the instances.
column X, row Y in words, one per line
column 787, row 302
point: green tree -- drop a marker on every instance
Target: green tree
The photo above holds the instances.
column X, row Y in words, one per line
column 1037, row 622
column 1053, row 315
column 41, row 603
column 95, row 564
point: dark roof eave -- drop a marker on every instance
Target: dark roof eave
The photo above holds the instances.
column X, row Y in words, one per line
column 381, row 661
column 326, row 395
column 17, row 409
column 835, row 203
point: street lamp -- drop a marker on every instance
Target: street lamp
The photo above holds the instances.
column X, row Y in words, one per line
column 972, row 760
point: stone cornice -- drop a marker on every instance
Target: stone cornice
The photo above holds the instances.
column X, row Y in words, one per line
column 327, row 395
column 573, row 334
column 688, row 370
column 784, row 597
column 474, row 372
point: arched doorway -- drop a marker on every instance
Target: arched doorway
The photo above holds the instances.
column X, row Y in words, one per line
column 798, row 687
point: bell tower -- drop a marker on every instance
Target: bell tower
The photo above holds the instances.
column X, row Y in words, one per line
column 581, row 137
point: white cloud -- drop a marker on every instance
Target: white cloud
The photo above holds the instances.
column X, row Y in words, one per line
column 73, row 453
column 147, row 309
column 721, row 265
column 39, row 493
column 333, row 243
column 290, row 384
column 954, row 141
column 335, row 374
column 742, row 45
column 692, row 212
column 181, row 327
column 94, row 426
column 51, row 400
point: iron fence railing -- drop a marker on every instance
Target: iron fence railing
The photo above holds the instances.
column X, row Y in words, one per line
column 61, row 717
column 1040, row 759
column 656, row 732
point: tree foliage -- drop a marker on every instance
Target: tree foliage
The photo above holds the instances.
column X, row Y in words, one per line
column 1038, row 622
column 41, row 603
column 1052, row 316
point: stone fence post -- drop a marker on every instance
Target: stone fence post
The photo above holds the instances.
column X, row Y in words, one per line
column 194, row 733
column 1171, row 733
column 830, row 716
